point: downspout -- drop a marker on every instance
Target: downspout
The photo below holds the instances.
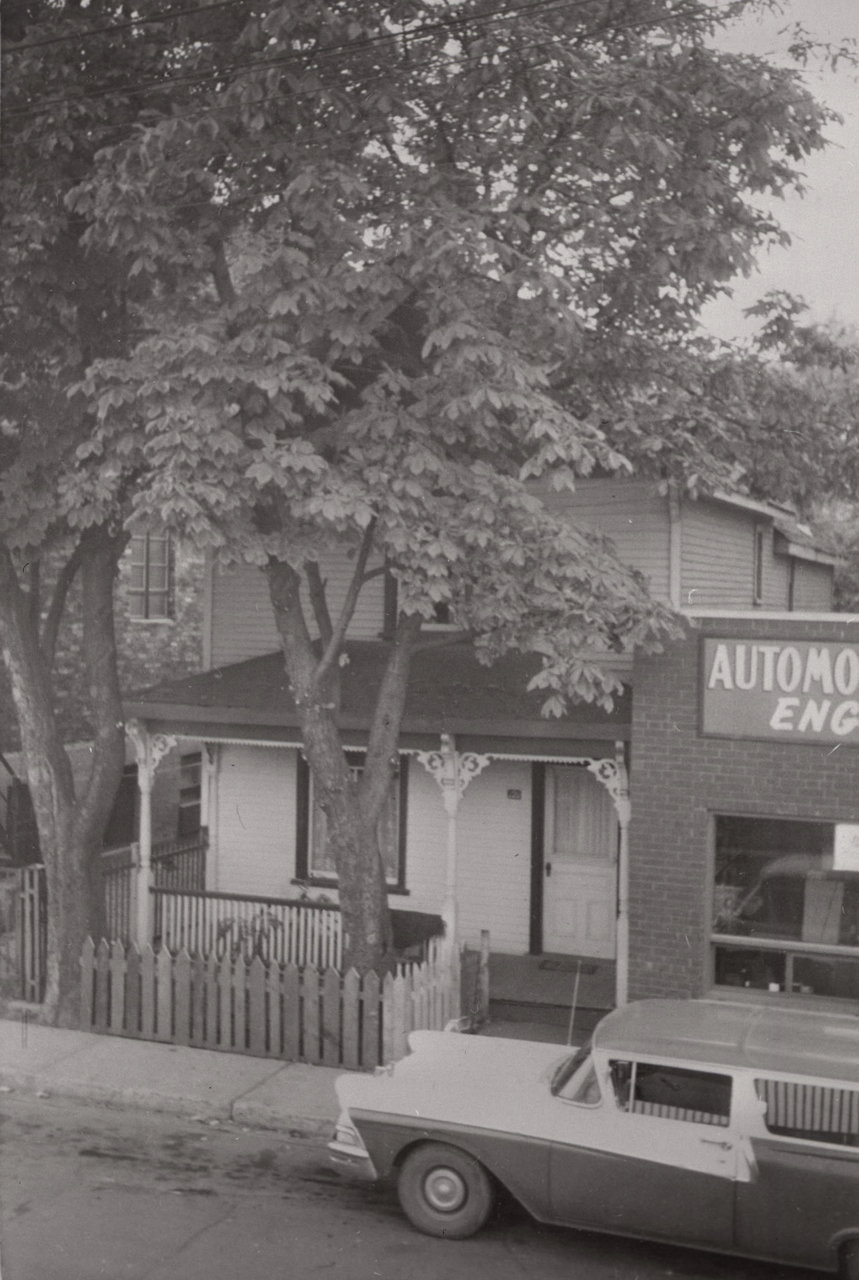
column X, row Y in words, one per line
column 675, row 547
column 622, row 806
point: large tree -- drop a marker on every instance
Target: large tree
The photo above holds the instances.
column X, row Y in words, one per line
column 404, row 262
column 72, row 81
column 400, row 264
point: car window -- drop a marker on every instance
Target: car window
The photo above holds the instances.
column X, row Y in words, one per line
column 581, row 1085
column 671, row 1092
column 568, row 1068
column 818, row 1113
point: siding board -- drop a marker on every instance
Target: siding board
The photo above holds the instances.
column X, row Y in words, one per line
column 812, row 586
column 717, row 556
column 243, row 622
column 631, row 513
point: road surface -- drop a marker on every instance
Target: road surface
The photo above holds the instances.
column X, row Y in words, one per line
column 88, row 1192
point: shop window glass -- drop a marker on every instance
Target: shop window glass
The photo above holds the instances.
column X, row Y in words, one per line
column 778, row 880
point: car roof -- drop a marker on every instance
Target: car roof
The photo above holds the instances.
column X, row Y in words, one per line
column 763, row 1038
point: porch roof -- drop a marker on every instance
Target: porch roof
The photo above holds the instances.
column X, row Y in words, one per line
column 449, row 692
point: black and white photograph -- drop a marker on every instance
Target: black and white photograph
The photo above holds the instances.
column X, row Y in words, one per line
column 429, row 620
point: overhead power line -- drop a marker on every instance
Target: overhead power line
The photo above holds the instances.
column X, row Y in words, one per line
column 112, row 28
column 336, row 52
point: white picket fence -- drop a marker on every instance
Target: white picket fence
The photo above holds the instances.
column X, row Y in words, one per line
column 269, row 1009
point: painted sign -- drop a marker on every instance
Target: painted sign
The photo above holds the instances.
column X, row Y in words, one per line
column 783, row 690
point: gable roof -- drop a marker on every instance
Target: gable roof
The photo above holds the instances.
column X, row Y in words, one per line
column 449, row 692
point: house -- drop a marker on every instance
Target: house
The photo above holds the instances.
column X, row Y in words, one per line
column 588, row 846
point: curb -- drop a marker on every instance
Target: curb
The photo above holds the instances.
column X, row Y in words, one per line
column 244, row 1112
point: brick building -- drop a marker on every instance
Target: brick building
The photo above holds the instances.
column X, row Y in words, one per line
column 744, row 871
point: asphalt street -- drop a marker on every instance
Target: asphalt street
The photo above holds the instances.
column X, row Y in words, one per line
column 88, row 1192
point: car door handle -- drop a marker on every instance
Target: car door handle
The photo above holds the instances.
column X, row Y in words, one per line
column 718, row 1142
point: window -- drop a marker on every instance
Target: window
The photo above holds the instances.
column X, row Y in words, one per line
column 820, row 1113
column 672, row 1093
column 760, row 549
column 190, row 792
column 780, row 881
column 576, row 1079
column 121, row 826
column 150, row 581
column 314, row 861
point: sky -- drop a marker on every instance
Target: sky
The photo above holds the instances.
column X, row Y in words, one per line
column 822, row 263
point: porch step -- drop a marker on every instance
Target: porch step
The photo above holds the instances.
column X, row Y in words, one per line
column 549, row 1016
column 552, row 980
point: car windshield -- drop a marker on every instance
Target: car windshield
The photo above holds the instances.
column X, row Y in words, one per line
column 568, row 1068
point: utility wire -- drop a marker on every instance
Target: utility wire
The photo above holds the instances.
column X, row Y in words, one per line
column 330, row 52
column 362, row 82
column 81, row 37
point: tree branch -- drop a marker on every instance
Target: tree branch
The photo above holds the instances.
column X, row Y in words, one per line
column 99, row 556
column 221, row 273
column 319, row 600
column 51, row 628
column 387, row 718
column 338, row 634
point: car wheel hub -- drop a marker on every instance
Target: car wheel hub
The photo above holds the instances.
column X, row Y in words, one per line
column 445, row 1190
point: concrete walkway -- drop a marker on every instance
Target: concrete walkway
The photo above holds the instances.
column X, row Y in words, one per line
column 293, row 1097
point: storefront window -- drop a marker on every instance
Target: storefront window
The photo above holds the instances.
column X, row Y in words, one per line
column 783, row 882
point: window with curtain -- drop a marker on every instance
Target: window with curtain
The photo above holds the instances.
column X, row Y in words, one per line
column 315, row 861
column 583, row 814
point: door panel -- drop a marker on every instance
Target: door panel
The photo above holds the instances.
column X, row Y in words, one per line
column 663, row 1159
column 628, row 1193
column 580, row 864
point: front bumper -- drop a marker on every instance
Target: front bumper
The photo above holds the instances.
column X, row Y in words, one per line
column 351, row 1162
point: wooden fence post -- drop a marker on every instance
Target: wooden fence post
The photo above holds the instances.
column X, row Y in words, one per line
column 371, row 1021
column 87, row 966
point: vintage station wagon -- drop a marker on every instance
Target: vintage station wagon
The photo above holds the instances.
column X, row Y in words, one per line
column 723, row 1126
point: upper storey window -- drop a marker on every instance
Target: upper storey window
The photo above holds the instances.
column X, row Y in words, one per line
column 150, row 583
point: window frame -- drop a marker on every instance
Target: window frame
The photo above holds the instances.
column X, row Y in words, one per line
column 640, row 1069
column 758, row 575
column 141, row 598
column 768, row 964
column 190, row 793
column 809, row 1096
column 304, row 799
column 124, row 818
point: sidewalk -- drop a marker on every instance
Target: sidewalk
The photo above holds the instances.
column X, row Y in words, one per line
column 293, row 1097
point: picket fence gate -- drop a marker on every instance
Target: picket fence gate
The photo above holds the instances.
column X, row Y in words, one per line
column 300, row 1014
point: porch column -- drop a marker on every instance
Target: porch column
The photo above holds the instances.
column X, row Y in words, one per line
column 613, row 775
column 150, row 750
column 452, row 770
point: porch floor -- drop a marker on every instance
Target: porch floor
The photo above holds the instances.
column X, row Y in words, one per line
column 530, row 997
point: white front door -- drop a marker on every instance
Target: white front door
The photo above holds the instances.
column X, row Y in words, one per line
column 580, row 864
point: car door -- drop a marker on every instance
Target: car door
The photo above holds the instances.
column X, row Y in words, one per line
column 806, row 1153
column 656, row 1158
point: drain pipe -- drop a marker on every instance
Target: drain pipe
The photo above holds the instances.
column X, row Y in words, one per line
column 622, row 806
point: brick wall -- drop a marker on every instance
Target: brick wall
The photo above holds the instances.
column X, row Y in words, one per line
column 679, row 779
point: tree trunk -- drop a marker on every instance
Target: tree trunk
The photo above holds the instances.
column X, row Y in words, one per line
column 70, row 825
column 352, row 808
